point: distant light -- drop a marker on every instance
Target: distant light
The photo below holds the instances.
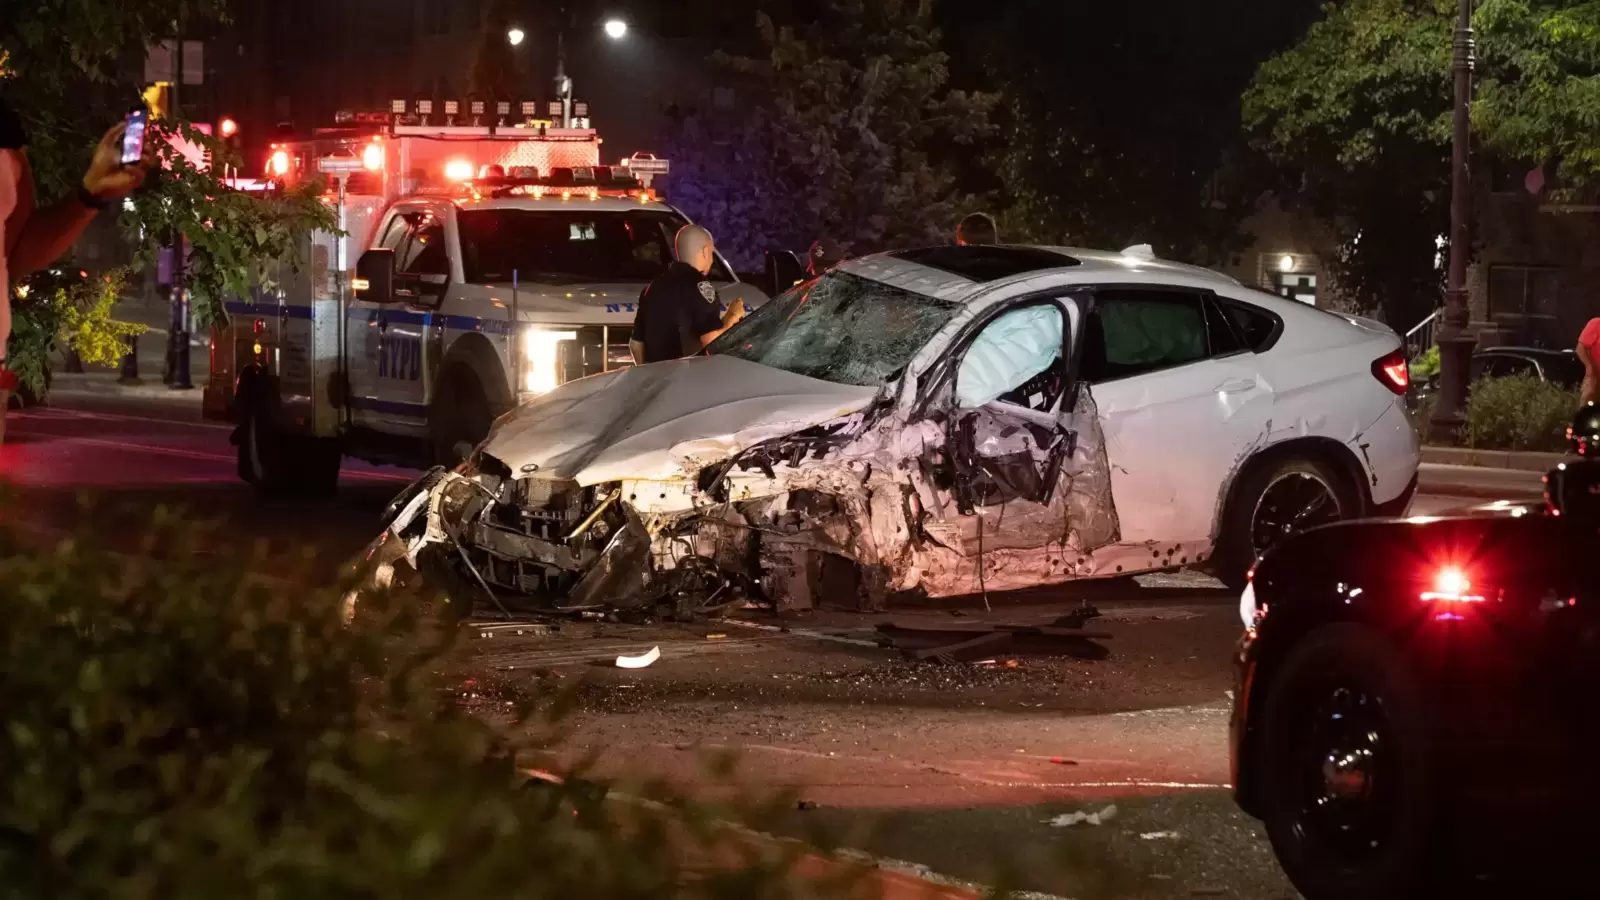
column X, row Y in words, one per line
column 515, row 36
column 372, row 157
column 1286, row 264
column 616, row 29
column 458, row 170
column 280, row 162
column 228, row 127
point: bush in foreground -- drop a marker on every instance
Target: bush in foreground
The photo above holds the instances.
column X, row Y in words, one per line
column 180, row 727
column 1518, row 412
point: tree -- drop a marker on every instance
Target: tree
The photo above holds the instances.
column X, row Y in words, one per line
column 1359, row 114
column 68, row 76
column 1122, row 120
column 495, row 74
column 846, row 127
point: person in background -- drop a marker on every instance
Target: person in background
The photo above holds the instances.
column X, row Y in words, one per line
column 1589, row 354
column 977, row 229
column 677, row 314
column 824, row 255
column 34, row 237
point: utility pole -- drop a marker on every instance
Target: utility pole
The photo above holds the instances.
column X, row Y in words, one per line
column 1456, row 341
column 178, row 323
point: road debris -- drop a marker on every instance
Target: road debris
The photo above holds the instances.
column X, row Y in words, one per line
column 976, row 642
column 1158, row 836
column 1081, row 817
column 640, row 661
column 805, row 805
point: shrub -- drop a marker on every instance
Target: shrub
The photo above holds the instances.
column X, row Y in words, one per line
column 78, row 317
column 179, row 727
column 1518, row 412
column 1426, row 365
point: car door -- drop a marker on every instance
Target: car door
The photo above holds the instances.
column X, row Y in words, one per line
column 1181, row 405
column 367, row 324
column 397, row 330
column 1021, row 466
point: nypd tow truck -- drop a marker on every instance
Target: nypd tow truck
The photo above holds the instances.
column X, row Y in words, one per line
column 492, row 263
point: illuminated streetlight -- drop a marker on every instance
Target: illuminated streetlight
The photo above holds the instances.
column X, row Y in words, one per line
column 616, row 29
column 515, row 36
column 228, row 127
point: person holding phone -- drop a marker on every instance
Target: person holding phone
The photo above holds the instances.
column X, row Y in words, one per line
column 33, row 237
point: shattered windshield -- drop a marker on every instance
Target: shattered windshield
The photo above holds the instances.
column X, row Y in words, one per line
column 840, row 328
column 569, row 246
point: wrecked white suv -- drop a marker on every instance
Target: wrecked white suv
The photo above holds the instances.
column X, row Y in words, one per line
column 932, row 422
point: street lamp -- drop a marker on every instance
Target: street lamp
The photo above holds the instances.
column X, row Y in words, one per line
column 515, row 36
column 1455, row 340
column 616, row 29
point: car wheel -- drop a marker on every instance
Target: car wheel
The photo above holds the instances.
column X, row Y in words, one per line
column 1347, row 780
column 461, row 417
column 1272, row 503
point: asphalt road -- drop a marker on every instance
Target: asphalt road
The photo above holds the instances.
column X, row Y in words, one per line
column 957, row 768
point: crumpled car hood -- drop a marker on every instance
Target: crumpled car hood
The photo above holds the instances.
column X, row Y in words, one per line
column 663, row 421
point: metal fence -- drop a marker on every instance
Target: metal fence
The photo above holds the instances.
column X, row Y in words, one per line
column 1420, row 337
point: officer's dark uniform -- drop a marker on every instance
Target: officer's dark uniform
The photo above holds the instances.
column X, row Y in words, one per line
column 678, row 307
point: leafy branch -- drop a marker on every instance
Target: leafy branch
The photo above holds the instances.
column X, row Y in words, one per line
column 234, row 237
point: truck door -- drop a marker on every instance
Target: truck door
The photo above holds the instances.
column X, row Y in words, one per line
column 386, row 340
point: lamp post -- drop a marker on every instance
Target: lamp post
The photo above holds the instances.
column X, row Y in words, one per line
column 615, row 29
column 1456, row 341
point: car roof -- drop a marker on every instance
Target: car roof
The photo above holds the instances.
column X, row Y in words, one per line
column 961, row 273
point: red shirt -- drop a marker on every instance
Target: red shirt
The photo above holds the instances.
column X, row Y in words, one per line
column 1591, row 339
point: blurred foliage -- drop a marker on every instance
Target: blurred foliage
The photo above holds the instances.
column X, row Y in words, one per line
column 87, row 327
column 179, row 725
column 846, row 127
column 1518, row 412
column 1426, row 365
column 235, row 238
column 1359, row 115
column 78, row 316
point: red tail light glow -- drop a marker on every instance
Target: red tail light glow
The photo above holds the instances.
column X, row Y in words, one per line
column 1451, row 585
column 1393, row 371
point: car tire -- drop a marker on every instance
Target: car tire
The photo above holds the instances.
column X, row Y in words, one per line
column 1245, row 513
column 461, row 416
column 1393, row 849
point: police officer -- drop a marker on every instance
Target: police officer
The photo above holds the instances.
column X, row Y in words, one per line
column 977, row 228
column 824, row 255
column 677, row 314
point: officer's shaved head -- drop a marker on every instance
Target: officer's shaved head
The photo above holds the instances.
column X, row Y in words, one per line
column 694, row 247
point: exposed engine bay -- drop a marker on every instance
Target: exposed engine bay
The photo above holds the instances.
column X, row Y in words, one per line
column 860, row 510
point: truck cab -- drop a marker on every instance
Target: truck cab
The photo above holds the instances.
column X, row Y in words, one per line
column 456, row 292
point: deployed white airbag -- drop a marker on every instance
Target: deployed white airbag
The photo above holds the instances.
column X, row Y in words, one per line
column 1012, row 349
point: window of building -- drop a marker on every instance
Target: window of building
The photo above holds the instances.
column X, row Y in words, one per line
column 1301, row 286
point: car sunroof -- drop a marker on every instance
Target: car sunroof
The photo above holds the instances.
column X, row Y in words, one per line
column 986, row 263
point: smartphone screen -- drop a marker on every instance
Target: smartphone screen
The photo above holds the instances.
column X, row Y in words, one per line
column 133, row 138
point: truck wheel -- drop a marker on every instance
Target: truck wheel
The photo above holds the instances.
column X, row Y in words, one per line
column 285, row 465
column 1270, row 503
column 460, row 416
column 1347, row 773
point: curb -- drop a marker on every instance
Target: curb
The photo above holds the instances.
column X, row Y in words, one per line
column 1519, row 460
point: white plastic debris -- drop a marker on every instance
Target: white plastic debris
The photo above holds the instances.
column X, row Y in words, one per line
column 640, row 661
column 1067, row 820
column 1158, row 835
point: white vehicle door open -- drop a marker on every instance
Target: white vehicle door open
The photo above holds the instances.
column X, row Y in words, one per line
column 1022, row 443
column 1180, row 401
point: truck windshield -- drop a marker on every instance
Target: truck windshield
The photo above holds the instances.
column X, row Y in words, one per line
column 569, row 246
column 840, row 328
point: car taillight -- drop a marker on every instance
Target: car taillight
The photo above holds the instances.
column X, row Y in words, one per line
column 1451, row 585
column 1393, row 371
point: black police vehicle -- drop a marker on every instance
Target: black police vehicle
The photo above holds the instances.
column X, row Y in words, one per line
column 1418, row 700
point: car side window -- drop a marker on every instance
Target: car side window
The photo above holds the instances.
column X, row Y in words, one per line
column 397, row 232
column 1015, row 359
column 1132, row 332
column 1496, row 366
column 424, row 253
column 1257, row 328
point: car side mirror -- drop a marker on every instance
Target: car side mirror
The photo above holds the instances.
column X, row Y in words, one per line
column 786, row 270
column 374, row 281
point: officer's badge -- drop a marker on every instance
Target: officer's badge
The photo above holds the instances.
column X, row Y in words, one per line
column 708, row 292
